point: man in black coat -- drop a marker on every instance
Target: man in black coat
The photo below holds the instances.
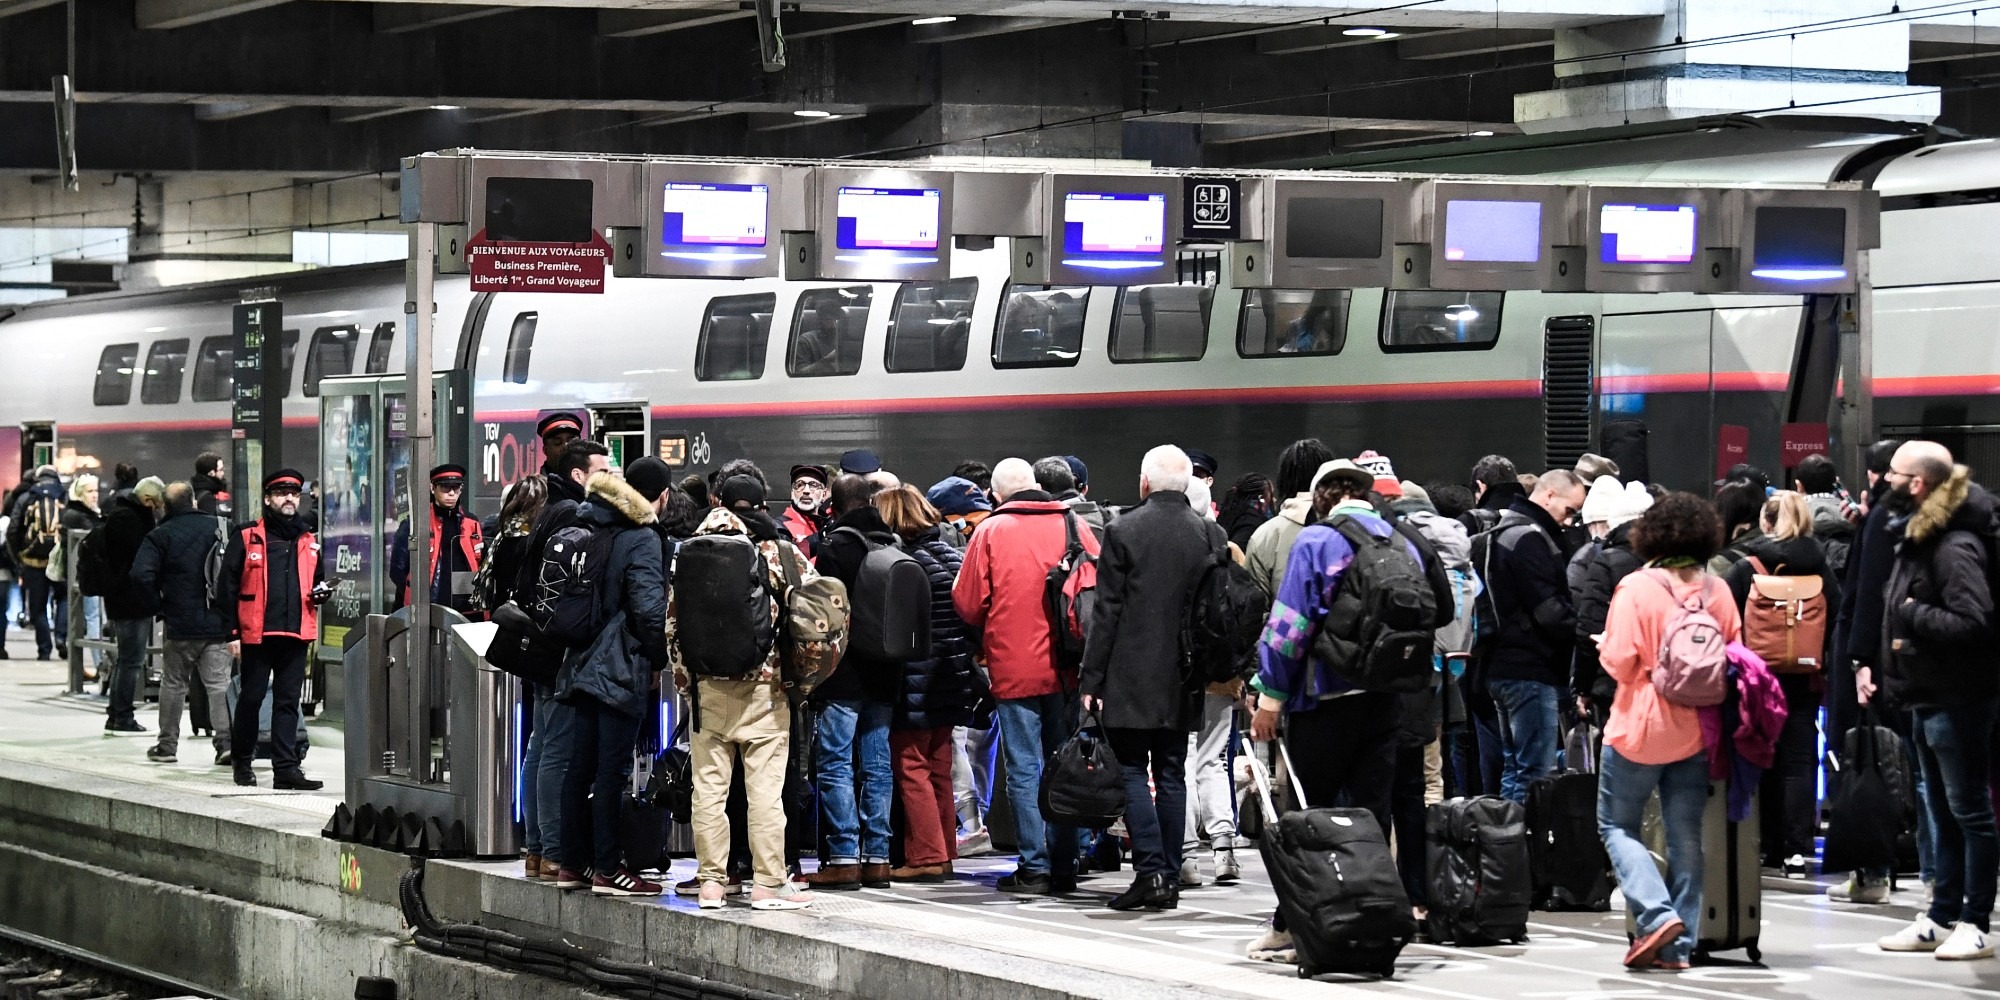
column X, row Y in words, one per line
column 1938, row 660
column 211, row 490
column 557, row 430
column 1527, row 668
column 1857, row 643
column 131, row 614
column 170, row 573
column 1495, row 486
column 1132, row 664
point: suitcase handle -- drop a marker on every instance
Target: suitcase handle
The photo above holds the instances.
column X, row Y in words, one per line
column 1263, row 778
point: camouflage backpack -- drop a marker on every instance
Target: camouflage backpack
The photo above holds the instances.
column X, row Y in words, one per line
column 815, row 624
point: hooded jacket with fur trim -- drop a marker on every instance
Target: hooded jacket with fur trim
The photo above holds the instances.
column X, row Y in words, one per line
column 1938, row 622
column 634, row 582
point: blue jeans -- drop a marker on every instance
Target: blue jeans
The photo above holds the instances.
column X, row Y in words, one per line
column 593, row 791
column 555, row 726
column 859, row 830
column 134, row 634
column 1527, row 734
column 1622, row 790
column 1030, row 730
column 1954, row 751
column 530, row 779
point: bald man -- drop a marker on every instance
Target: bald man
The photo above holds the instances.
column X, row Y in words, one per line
column 1939, row 661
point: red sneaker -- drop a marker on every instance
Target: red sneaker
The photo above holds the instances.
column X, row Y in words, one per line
column 623, row 883
column 569, row 878
column 1647, row 946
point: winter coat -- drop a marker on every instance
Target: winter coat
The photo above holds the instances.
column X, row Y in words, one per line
column 1092, row 513
column 1270, row 545
column 840, row 556
column 634, row 582
column 999, row 591
column 1937, row 648
column 1495, row 502
column 1734, row 552
column 1454, row 549
column 1832, row 531
column 1288, row 675
column 452, row 533
column 171, row 573
column 1244, row 524
column 1869, row 563
column 77, row 516
column 126, row 526
column 561, row 486
column 805, row 530
column 211, row 496
column 1132, row 658
column 1614, row 561
column 940, row 691
column 1537, row 627
column 1799, row 556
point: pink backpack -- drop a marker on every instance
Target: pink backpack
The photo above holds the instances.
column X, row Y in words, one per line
column 1694, row 660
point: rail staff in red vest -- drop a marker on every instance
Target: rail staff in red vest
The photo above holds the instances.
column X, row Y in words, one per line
column 273, row 569
column 454, row 532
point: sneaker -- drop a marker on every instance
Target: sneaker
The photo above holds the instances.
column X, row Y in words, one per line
column 1859, row 890
column 693, row 887
column 713, row 895
column 1274, row 946
column 1794, row 867
column 789, row 896
column 1921, row 935
column 549, row 870
column 976, row 843
column 1647, row 946
column 1190, row 872
column 224, row 758
column 567, row 879
column 124, row 727
column 1966, row 943
column 623, row 883
column 1227, row 871
column 160, row 755
column 1022, row 883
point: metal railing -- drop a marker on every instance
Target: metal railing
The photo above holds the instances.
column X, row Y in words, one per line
column 76, row 638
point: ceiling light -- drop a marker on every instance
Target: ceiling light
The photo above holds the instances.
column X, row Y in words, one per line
column 1366, row 32
column 812, row 113
column 940, row 19
column 447, row 107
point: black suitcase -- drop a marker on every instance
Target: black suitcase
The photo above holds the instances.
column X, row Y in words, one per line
column 1566, row 855
column 1338, row 890
column 1480, row 883
column 643, row 815
column 1891, row 757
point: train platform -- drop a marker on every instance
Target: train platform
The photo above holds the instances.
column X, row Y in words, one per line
column 175, row 868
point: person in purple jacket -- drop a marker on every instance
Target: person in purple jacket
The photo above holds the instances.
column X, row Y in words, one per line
column 1341, row 739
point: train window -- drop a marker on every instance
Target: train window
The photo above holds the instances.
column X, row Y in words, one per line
column 1290, row 322
column 379, row 345
column 1040, row 327
column 166, row 365
column 288, row 348
column 1161, row 323
column 331, row 353
column 930, row 325
column 827, row 331
column 212, row 381
column 114, row 375
column 1440, row 321
column 520, row 347
column 735, row 332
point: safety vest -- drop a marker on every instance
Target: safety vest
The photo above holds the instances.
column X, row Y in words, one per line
column 469, row 542
column 256, row 585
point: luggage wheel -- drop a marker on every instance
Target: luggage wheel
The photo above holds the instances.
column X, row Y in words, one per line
column 1751, row 949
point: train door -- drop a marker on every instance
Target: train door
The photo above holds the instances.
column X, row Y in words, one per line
column 38, row 445
column 623, row 428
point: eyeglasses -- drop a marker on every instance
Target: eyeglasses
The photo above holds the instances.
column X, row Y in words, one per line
column 1892, row 473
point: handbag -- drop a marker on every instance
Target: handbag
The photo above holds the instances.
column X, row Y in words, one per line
column 1866, row 813
column 672, row 787
column 518, row 647
column 1083, row 784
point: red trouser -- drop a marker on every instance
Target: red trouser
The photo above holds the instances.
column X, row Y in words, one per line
column 930, row 808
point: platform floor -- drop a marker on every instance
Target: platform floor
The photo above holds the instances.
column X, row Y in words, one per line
column 1812, row 947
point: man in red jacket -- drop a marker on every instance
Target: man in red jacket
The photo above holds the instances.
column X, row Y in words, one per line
column 999, row 591
column 271, row 596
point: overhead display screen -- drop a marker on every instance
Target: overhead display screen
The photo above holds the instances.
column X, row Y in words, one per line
column 1795, row 237
column 1493, row 232
column 887, row 218
column 538, row 210
column 1333, row 227
column 698, row 214
column 1646, row 234
column 1108, row 222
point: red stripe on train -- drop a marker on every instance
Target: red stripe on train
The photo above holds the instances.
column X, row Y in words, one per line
column 1693, row 382
column 1939, row 385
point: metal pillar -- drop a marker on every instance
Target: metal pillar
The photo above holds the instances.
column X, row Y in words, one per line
column 420, row 313
column 1856, row 411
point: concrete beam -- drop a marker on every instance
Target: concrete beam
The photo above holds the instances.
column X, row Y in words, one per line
column 348, row 116
column 1317, row 38
column 980, row 27
column 1471, row 42
column 818, row 25
column 396, row 18
column 9, row 8
column 640, row 23
column 159, row 15
column 223, row 111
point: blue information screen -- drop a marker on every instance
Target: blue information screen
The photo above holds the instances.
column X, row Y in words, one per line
column 1646, row 234
column 699, row 214
column 1114, row 222
column 1493, row 232
column 887, row 218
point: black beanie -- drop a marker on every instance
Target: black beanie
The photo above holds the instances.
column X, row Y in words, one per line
column 650, row 476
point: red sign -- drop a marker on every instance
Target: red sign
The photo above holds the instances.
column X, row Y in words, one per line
column 538, row 267
column 1799, row 441
column 1732, row 445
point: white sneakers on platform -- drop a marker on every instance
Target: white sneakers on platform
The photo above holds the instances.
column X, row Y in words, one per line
column 1961, row 943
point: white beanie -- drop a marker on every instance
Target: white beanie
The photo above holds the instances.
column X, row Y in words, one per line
column 1198, row 497
column 1614, row 503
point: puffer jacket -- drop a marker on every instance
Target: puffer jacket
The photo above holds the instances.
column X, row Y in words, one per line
column 1832, row 530
column 634, row 582
column 1937, row 630
column 840, row 556
column 1613, row 561
column 170, row 573
column 940, row 691
column 1271, row 544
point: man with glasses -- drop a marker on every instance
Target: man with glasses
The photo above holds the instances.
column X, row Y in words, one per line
column 454, row 535
column 272, row 568
column 1527, row 664
column 811, row 508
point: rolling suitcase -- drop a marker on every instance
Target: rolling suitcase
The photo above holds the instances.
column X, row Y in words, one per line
column 1480, row 882
column 642, row 815
column 1732, row 887
column 1571, row 869
column 1338, row 889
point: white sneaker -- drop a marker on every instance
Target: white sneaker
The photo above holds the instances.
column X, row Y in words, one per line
column 1854, row 890
column 790, row 896
column 1274, row 946
column 1226, row 868
column 1190, row 872
column 1965, row 944
column 1921, row 935
column 976, row 843
column 713, row 896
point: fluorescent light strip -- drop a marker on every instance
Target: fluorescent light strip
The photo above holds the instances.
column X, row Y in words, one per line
column 1799, row 273
column 882, row 258
column 1114, row 265
column 708, row 255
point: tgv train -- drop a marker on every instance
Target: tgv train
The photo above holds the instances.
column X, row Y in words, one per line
column 929, row 374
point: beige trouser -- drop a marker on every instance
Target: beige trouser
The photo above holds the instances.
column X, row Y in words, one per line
column 1434, row 772
column 752, row 718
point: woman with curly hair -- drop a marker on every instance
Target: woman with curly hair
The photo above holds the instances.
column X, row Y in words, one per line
column 1650, row 742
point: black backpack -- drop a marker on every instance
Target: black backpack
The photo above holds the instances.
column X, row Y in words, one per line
column 723, row 624
column 1082, row 784
column 567, row 585
column 1381, row 631
column 1069, row 596
column 94, row 577
column 1225, row 617
column 891, row 598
